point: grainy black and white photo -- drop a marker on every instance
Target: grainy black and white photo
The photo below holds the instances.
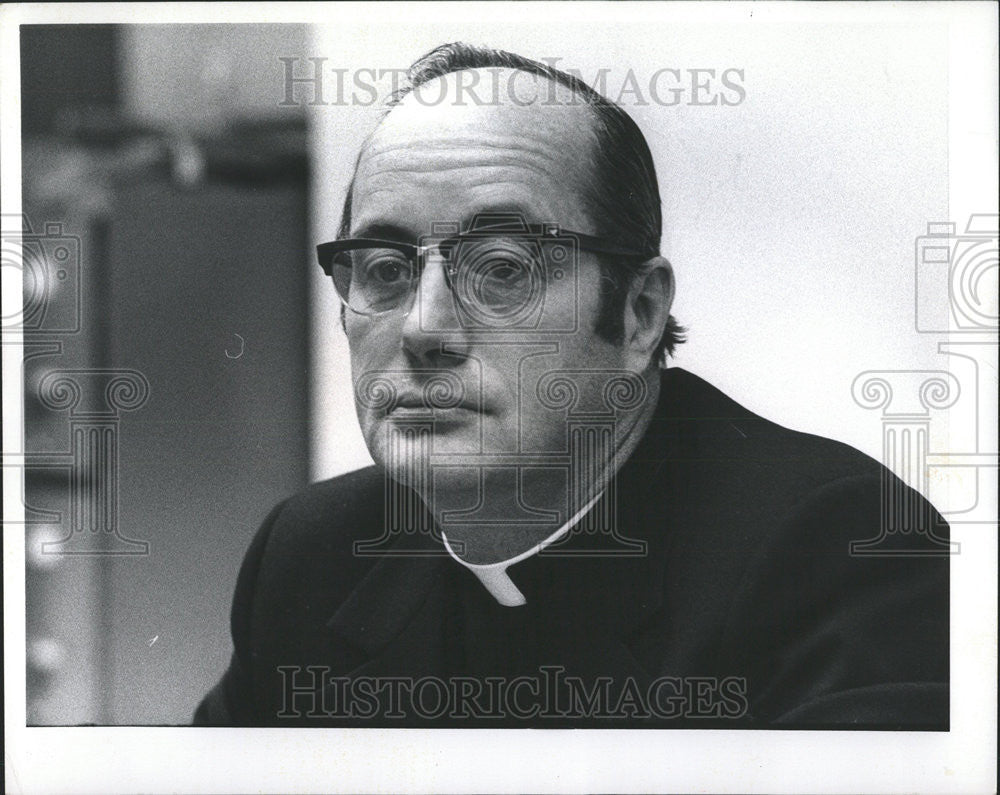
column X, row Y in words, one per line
column 501, row 367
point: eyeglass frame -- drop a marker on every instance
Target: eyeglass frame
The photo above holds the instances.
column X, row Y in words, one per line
column 325, row 252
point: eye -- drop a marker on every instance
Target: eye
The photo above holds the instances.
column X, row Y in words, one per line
column 385, row 268
column 501, row 281
column 505, row 271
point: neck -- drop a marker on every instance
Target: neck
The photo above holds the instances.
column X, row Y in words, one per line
column 516, row 509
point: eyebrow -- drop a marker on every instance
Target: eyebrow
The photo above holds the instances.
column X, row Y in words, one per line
column 498, row 209
column 387, row 230
column 384, row 230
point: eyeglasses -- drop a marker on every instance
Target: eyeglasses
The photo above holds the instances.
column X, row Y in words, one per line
column 498, row 271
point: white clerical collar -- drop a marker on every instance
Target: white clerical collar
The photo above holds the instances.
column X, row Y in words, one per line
column 494, row 575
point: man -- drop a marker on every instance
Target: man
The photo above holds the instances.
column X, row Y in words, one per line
column 558, row 532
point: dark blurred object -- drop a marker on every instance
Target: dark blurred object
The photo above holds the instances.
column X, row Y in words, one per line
column 255, row 152
column 207, row 296
column 190, row 266
column 67, row 67
column 78, row 131
column 95, row 149
column 202, row 287
column 95, row 126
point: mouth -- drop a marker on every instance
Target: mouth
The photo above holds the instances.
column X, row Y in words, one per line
column 421, row 408
column 442, row 420
column 416, row 404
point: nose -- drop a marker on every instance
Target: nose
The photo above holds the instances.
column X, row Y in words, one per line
column 432, row 319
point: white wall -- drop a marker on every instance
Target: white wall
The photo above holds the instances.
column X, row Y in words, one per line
column 790, row 218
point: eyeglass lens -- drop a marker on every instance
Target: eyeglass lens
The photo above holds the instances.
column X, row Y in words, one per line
column 492, row 277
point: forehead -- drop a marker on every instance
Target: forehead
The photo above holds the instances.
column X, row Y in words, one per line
column 440, row 156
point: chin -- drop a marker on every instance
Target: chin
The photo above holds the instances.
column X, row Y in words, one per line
column 404, row 452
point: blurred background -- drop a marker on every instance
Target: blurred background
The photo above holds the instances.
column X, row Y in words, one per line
column 186, row 196
column 157, row 156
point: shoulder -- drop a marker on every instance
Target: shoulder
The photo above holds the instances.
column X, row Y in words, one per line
column 325, row 518
column 716, row 421
column 775, row 537
column 751, row 509
column 744, row 484
column 307, row 543
column 732, row 461
column 327, row 513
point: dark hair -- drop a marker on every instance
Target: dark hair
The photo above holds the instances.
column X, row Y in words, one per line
column 623, row 193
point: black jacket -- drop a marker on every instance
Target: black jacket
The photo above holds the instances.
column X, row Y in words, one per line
column 747, row 608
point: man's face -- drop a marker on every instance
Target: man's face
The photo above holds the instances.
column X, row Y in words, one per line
column 445, row 163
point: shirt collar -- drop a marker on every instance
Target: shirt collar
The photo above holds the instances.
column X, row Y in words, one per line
column 494, row 576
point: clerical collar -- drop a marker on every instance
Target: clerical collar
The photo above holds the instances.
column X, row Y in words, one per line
column 494, row 575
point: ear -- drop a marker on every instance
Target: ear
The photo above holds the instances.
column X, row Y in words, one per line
column 647, row 310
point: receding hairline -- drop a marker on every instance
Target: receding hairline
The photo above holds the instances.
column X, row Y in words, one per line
column 554, row 96
column 550, row 97
column 506, row 84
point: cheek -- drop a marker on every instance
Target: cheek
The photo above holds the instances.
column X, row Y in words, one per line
column 368, row 350
column 576, row 300
column 371, row 344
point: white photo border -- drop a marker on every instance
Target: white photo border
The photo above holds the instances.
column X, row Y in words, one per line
column 96, row 759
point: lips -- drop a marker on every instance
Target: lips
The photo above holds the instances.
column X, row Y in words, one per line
column 418, row 405
column 416, row 401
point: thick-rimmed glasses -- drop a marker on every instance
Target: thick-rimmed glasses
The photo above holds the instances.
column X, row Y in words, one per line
column 497, row 273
